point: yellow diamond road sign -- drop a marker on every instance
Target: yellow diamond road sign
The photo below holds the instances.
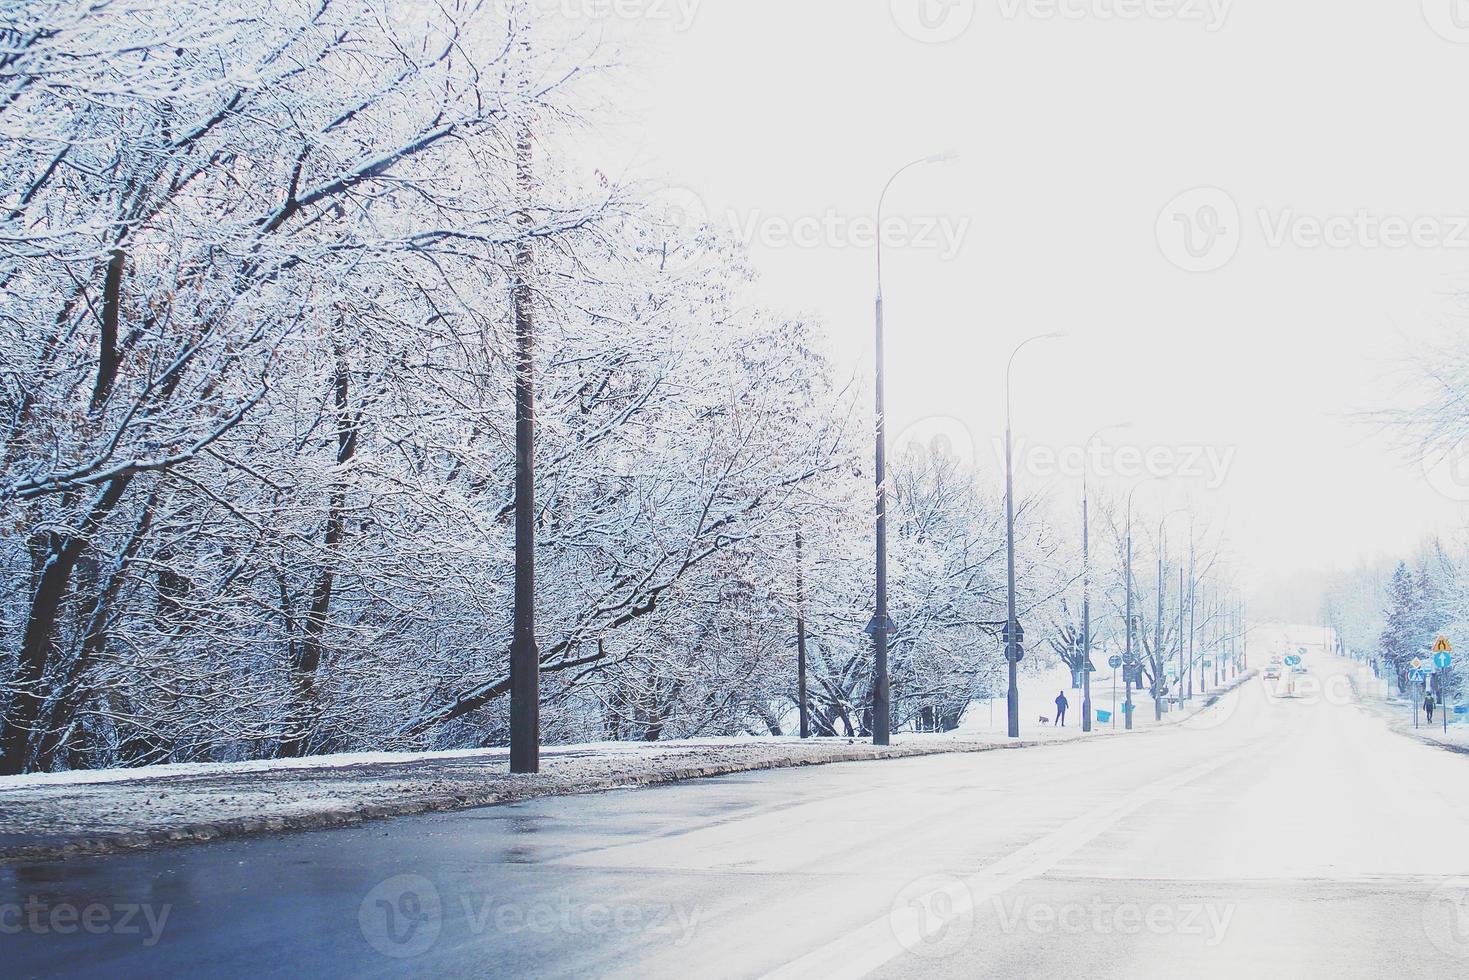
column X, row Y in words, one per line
column 1443, row 645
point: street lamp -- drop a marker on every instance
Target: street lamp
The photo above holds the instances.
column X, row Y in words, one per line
column 1086, row 599
column 1127, row 659
column 1012, row 627
column 881, row 728
column 1158, row 659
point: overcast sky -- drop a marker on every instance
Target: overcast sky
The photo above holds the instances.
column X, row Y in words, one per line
column 1216, row 320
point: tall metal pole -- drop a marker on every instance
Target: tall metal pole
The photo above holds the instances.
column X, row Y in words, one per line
column 1218, row 640
column 1012, row 643
column 1086, row 609
column 880, row 732
column 1181, row 668
column 525, row 658
column 1086, row 595
column 1193, row 588
column 881, row 694
column 1012, row 628
column 1127, row 659
column 801, row 696
column 1158, row 637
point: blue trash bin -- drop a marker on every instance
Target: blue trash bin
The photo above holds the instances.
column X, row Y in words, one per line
column 1103, row 717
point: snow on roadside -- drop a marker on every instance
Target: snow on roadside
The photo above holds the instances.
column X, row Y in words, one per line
column 55, row 815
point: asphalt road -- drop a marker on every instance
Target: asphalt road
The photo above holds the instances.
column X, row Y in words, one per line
column 1271, row 837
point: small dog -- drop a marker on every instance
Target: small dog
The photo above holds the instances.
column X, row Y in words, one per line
column 1045, row 720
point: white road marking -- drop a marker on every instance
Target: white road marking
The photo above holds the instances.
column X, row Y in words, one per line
column 887, row 937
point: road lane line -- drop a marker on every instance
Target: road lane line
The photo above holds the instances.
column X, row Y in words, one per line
column 868, row 947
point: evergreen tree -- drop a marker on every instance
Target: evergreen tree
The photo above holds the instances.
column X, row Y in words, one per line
column 1400, row 636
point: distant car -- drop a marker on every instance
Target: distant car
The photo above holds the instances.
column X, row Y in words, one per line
column 1276, row 659
column 1273, row 674
column 1299, row 669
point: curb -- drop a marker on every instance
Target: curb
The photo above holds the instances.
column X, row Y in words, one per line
column 1399, row 726
column 513, row 789
column 516, row 789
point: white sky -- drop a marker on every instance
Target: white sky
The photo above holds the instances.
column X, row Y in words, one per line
column 1074, row 133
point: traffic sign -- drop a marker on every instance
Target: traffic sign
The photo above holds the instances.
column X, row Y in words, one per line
column 871, row 629
column 1416, row 663
column 1293, row 660
column 1443, row 660
column 1114, row 662
column 1443, row 645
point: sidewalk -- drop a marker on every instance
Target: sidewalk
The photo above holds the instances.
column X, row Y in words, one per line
column 1380, row 697
column 52, row 815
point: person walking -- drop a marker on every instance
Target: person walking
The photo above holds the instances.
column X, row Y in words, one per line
column 1428, row 705
column 1061, row 705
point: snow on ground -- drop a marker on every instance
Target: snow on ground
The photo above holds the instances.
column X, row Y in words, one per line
column 49, row 814
column 1381, row 696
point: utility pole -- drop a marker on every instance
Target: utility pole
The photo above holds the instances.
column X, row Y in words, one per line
column 1127, row 659
column 1181, row 668
column 1193, row 586
column 1013, row 649
column 1158, row 638
column 525, row 658
column 881, row 729
column 1086, row 594
column 1086, row 609
column 1218, row 639
column 801, row 641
